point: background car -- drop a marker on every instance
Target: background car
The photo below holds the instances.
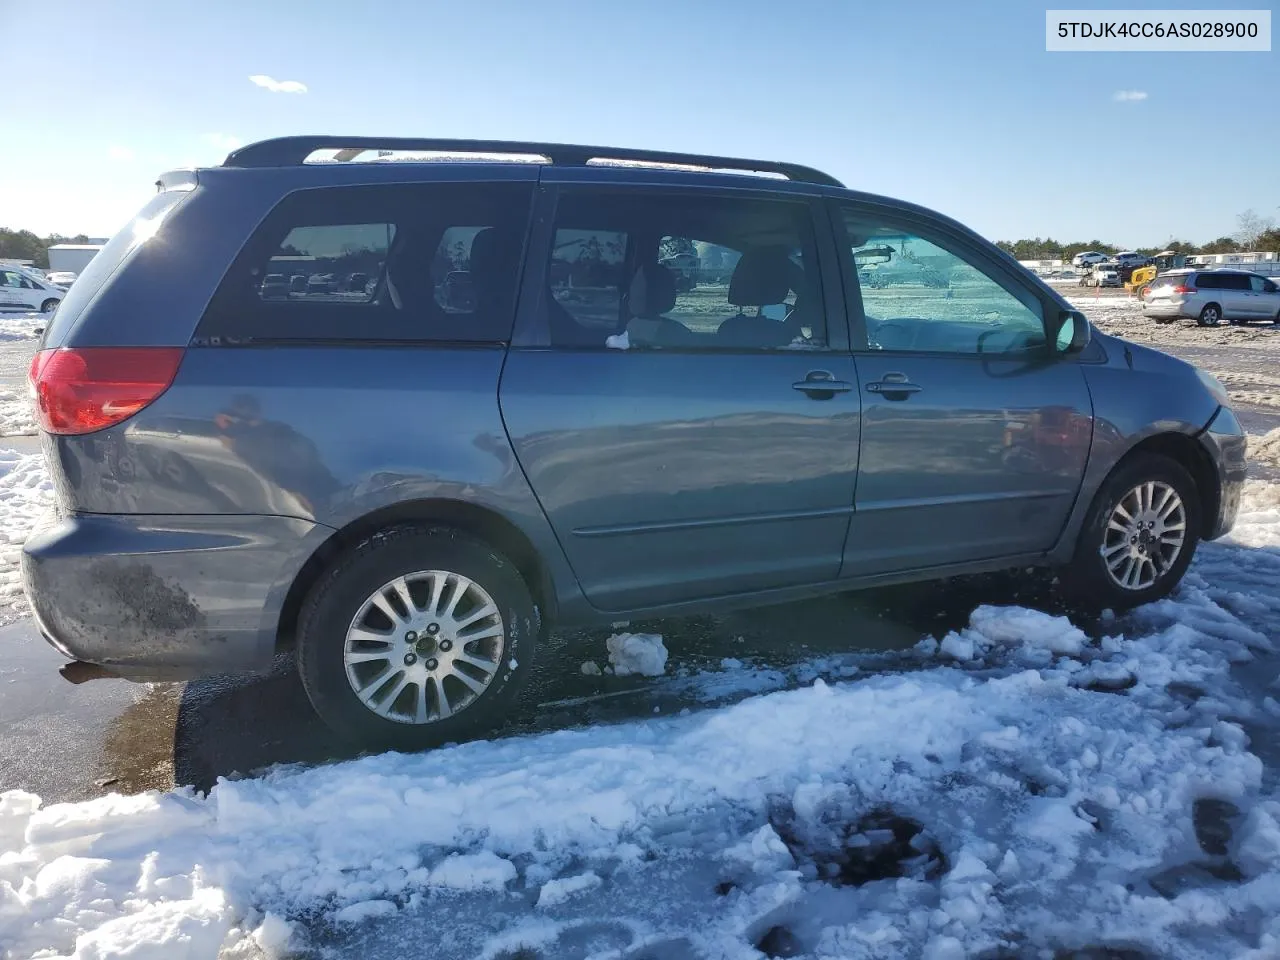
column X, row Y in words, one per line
column 1211, row 296
column 61, row 278
column 20, row 290
column 1130, row 259
column 1087, row 258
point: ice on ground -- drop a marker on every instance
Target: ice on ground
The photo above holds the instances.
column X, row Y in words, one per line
column 637, row 653
column 619, row 341
column 26, row 499
column 556, row 892
column 590, row 668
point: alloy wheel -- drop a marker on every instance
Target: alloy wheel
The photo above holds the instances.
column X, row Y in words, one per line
column 1144, row 536
column 424, row 647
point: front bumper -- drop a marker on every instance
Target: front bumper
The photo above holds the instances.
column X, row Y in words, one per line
column 1227, row 445
column 165, row 597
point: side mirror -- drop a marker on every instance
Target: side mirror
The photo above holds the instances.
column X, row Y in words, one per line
column 1072, row 334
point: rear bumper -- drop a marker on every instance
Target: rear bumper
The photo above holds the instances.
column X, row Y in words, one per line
column 166, row 597
column 1227, row 445
column 1163, row 310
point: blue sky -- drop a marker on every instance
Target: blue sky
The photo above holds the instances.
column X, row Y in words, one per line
column 950, row 104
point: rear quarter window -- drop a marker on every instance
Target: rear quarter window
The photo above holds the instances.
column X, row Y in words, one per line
column 142, row 228
column 401, row 262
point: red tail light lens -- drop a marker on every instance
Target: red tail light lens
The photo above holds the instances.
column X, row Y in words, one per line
column 80, row 391
column 1184, row 289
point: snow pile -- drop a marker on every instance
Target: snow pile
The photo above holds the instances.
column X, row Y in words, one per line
column 26, row 498
column 17, row 418
column 637, row 653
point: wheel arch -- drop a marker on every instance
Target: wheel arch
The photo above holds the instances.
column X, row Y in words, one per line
column 482, row 522
column 1191, row 455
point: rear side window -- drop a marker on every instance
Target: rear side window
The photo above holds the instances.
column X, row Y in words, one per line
column 1207, row 281
column 146, row 225
column 417, row 262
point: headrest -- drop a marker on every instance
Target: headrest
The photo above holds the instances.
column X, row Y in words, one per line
column 653, row 291
column 493, row 253
column 761, row 278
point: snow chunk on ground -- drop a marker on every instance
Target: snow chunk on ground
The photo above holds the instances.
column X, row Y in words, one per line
column 1030, row 636
column 17, row 418
column 637, row 653
column 474, row 871
column 619, row 341
column 1266, row 449
column 556, row 892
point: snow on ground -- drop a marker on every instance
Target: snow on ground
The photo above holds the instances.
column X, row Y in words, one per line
column 1029, row 789
column 26, row 497
column 1266, row 449
column 16, row 415
column 22, row 326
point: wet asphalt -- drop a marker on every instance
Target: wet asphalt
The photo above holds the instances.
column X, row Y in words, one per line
column 68, row 741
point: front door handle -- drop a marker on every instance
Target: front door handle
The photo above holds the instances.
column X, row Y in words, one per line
column 894, row 386
column 821, row 385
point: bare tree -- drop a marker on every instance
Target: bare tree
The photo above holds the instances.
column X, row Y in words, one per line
column 1251, row 225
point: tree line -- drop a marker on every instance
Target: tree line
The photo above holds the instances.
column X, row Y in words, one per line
column 25, row 245
column 1253, row 232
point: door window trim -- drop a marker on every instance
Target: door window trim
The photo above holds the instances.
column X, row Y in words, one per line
column 532, row 330
column 956, row 239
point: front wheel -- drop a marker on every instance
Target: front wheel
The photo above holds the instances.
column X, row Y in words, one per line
column 1139, row 537
column 415, row 637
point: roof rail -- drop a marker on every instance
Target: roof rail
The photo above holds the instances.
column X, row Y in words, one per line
column 288, row 151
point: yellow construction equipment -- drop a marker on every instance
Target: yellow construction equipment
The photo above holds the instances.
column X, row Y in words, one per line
column 1139, row 279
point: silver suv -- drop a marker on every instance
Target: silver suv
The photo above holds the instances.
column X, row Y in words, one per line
column 1211, row 296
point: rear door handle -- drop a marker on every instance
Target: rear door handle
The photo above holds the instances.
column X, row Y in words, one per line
column 821, row 385
column 894, row 386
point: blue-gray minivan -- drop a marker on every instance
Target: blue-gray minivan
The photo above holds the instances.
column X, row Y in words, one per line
column 575, row 385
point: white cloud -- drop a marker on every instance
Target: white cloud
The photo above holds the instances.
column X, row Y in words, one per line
column 116, row 152
column 223, row 141
column 278, row 86
column 1129, row 96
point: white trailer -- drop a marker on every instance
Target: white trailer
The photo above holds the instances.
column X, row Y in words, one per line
column 71, row 257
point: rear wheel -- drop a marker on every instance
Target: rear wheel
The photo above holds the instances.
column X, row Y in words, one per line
column 1139, row 537
column 417, row 636
column 49, row 306
column 1210, row 316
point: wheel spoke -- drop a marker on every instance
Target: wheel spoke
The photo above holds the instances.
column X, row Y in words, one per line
column 1114, row 549
column 1123, row 513
column 1159, row 506
column 442, row 702
column 492, row 631
column 420, row 704
column 488, row 666
column 367, row 690
column 1119, row 527
column 367, row 656
column 1132, row 574
column 1171, row 506
column 368, row 636
column 390, row 699
column 460, row 585
column 382, row 603
column 474, row 685
column 488, row 610
column 402, row 591
column 437, row 587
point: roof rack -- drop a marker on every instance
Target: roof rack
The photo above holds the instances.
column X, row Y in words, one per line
column 289, row 151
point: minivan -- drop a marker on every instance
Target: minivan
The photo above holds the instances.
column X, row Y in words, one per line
column 1211, row 296
column 409, row 487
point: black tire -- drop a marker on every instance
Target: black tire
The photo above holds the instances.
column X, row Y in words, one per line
column 1086, row 580
column 49, row 305
column 1164, row 320
column 1210, row 315
column 338, row 596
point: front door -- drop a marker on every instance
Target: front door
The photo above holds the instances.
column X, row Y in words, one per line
column 684, row 415
column 15, row 291
column 974, row 434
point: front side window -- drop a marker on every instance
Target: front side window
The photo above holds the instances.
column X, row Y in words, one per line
column 1262, row 284
column 921, row 294
column 683, row 272
column 11, row 279
column 419, row 262
column 1235, row 281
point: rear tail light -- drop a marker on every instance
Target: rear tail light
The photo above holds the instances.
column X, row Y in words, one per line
column 1184, row 289
column 80, row 391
